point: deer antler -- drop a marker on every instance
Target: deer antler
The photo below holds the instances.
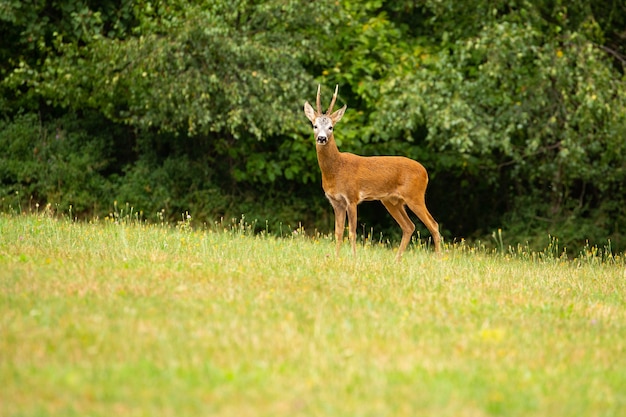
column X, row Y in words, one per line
column 348, row 179
column 332, row 103
column 317, row 101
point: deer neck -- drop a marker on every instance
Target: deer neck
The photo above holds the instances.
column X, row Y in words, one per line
column 328, row 157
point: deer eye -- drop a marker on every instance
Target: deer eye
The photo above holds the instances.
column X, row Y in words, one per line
column 314, row 126
column 330, row 128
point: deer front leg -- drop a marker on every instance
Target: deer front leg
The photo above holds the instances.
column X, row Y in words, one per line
column 340, row 223
column 352, row 226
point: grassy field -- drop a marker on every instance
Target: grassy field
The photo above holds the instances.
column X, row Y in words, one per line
column 119, row 318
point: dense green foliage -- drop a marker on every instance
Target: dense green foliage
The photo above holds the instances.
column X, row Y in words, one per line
column 515, row 107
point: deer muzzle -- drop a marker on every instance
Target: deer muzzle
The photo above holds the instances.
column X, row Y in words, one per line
column 322, row 140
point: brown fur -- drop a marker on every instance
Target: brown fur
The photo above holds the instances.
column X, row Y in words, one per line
column 348, row 179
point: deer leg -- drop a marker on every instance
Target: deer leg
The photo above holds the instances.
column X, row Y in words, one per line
column 340, row 222
column 398, row 212
column 352, row 226
column 419, row 208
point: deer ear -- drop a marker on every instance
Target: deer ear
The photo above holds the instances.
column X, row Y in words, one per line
column 309, row 112
column 336, row 116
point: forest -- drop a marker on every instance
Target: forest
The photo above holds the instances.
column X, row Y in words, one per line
column 517, row 108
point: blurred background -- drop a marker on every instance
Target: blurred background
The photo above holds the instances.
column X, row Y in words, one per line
column 516, row 108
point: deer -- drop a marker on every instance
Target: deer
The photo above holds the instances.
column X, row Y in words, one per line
column 349, row 179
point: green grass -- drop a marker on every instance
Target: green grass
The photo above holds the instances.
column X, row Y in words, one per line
column 119, row 318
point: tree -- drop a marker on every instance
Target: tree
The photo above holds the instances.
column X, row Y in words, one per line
column 531, row 108
column 514, row 107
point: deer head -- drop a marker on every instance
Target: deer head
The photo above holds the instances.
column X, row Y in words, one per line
column 348, row 179
column 323, row 123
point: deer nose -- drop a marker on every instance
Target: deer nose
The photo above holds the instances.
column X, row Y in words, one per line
column 322, row 139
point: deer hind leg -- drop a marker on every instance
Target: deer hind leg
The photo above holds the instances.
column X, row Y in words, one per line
column 398, row 212
column 419, row 208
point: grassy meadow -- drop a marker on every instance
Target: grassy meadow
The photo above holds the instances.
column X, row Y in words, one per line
column 116, row 317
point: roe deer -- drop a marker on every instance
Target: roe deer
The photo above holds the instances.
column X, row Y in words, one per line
column 348, row 179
